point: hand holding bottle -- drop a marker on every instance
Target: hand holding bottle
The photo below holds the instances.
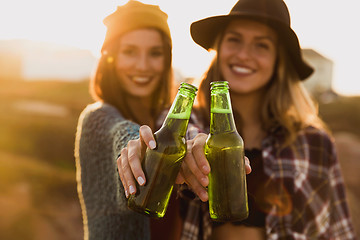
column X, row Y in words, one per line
column 160, row 164
column 129, row 162
column 195, row 167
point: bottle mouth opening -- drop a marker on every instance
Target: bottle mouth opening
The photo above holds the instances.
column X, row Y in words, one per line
column 219, row 84
column 188, row 86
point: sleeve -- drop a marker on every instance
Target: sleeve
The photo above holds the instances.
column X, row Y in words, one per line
column 194, row 212
column 340, row 221
column 194, row 127
column 101, row 134
column 313, row 184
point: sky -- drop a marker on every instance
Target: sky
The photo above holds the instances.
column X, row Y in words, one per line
column 330, row 27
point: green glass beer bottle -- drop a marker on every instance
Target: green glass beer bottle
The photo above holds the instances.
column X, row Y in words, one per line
column 224, row 149
column 162, row 164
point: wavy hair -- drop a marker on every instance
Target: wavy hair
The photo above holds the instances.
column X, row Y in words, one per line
column 286, row 102
column 105, row 85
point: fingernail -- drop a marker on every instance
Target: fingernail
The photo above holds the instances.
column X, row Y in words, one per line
column 140, row 180
column 204, row 196
column 204, row 180
column 206, row 169
column 126, row 194
column 131, row 189
column 152, row 144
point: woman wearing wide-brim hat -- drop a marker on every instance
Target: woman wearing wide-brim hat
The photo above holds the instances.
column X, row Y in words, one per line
column 295, row 189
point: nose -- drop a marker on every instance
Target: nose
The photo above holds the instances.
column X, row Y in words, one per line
column 244, row 51
column 142, row 62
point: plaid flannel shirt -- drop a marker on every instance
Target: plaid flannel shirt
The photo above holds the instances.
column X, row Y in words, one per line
column 306, row 193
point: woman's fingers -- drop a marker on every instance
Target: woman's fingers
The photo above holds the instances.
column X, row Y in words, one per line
column 123, row 169
column 247, row 165
column 118, row 161
column 193, row 183
column 192, row 174
column 147, row 137
column 179, row 179
column 196, row 168
column 134, row 150
column 197, row 150
column 129, row 162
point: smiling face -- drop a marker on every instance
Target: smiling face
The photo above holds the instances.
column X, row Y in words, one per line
column 140, row 61
column 247, row 55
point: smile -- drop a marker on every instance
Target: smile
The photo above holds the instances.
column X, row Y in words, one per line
column 140, row 79
column 242, row 70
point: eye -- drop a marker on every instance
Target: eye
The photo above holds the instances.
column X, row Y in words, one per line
column 157, row 53
column 263, row 45
column 128, row 52
column 232, row 39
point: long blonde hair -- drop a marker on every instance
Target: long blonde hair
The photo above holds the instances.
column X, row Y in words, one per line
column 286, row 102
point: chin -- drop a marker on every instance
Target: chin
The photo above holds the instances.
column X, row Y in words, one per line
column 141, row 94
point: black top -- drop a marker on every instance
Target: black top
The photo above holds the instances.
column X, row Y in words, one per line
column 255, row 185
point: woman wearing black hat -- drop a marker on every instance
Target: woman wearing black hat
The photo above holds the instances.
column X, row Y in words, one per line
column 295, row 189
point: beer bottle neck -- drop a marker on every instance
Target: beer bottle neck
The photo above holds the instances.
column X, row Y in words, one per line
column 179, row 114
column 221, row 119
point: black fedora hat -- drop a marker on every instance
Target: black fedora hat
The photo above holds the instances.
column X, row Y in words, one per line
column 273, row 13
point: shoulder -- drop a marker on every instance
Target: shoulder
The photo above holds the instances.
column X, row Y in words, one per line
column 311, row 145
column 316, row 138
column 100, row 115
column 102, row 118
column 99, row 110
column 315, row 146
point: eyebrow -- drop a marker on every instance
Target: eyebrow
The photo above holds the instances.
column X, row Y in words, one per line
column 134, row 45
column 258, row 38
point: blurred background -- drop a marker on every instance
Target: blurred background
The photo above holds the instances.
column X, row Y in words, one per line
column 48, row 51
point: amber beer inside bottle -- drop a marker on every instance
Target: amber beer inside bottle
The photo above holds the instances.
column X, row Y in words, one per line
column 224, row 150
column 162, row 164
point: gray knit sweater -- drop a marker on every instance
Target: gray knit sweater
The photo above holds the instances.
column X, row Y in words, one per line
column 101, row 133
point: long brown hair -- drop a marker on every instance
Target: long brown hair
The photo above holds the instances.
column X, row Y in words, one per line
column 286, row 102
column 105, row 85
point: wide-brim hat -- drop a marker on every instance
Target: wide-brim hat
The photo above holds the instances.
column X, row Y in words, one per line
column 273, row 13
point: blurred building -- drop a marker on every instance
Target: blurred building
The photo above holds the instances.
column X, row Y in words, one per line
column 321, row 80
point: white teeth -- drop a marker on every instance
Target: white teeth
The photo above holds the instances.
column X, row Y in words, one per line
column 141, row 79
column 241, row 69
